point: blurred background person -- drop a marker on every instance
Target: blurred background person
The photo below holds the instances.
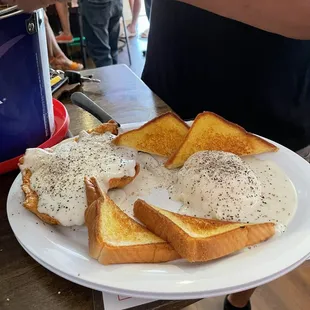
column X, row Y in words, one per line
column 65, row 35
column 148, row 6
column 101, row 23
column 57, row 59
column 30, row 5
column 135, row 7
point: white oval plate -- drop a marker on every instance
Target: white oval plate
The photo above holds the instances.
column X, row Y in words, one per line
column 64, row 251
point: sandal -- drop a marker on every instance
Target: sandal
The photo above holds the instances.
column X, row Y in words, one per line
column 64, row 65
column 63, row 39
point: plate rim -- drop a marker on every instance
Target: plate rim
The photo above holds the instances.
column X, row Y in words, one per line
column 162, row 296
column 182, row 294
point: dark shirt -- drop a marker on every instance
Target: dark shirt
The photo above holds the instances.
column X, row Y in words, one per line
column 198, row 61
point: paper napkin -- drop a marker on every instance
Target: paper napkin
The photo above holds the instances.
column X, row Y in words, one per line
column 118, row 302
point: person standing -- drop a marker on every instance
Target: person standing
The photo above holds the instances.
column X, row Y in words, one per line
column 30, row 5
column 64, row 16
column 246, row 60
column 249, row 64
column 101, row 24
column 57, row 59
column 135, row 7
column 148, row 5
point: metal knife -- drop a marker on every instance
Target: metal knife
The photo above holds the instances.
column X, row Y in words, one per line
column 81, row 100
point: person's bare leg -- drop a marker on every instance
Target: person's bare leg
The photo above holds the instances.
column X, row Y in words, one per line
column 135, row 15
column 63, row 14
column 57, row 58
column 241, row 299
column 50, row 38
column 131, row 2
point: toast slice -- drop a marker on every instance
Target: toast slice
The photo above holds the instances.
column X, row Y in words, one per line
column 200, row 240
column 161, row 136
column 212, row 132
column 115, row 238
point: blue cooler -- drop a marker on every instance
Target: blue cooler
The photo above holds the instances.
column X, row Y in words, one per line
column 26, row 112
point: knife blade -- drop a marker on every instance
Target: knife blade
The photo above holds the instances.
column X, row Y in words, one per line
column 81, row 100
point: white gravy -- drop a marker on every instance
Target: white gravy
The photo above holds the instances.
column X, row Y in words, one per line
column 223, row 186
column 211, row 184
column 58, row 174
column 152, row 178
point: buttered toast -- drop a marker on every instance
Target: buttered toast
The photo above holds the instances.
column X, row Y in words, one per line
column 161, row 136
column 115, row 238
column 212, row 132
column 200, row 240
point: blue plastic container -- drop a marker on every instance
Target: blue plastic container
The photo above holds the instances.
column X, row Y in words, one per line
column 26, row 117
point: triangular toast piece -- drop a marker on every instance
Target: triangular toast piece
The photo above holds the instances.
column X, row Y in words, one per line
column 161, row 136
column 200, row 240
column 115, row 238
column 212, row 132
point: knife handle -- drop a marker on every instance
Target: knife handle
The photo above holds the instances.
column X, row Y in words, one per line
column 82, row 101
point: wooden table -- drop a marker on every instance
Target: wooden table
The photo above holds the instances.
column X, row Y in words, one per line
column 122, row 95
column 24, row 284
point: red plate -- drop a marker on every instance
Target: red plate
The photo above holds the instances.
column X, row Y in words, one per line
column 61, row 128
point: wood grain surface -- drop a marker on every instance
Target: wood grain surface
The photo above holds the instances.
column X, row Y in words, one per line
column 121, row 94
